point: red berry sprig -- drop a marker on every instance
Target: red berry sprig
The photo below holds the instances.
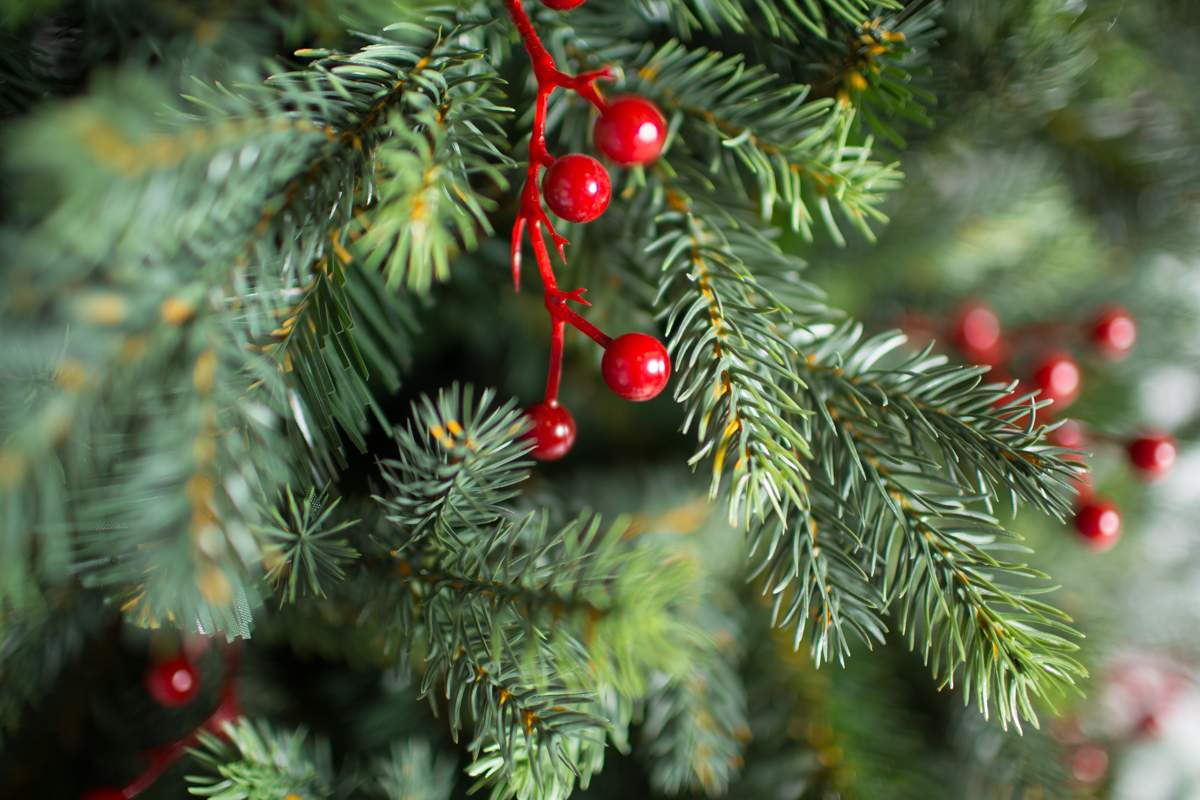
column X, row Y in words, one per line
column 159, row 759
column 630, row 130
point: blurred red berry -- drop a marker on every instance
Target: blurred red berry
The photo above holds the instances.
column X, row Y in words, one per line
column 1058, row 377
column 1099, row 522
column 1152, row 455
column 1114, row 332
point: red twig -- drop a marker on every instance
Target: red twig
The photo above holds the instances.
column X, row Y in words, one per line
column 531, row 216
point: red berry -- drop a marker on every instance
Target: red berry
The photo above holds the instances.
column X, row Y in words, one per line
column 1152, row 455
column 577, row 187
column 1089, row 763
column 636, row 366
column 104, row 794
column 631, row 130
column 1058, row 378
column 173, row 683
column 1069, row 435
column 1114, row 332
column 553, row 430
column 562, row 5
column 1099, row 522
column 977, row 334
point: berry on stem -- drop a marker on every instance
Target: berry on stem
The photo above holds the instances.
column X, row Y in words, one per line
column 1058, row 378
column 977, row 334
column 1152, row 454
column 172, row 683
column 562, row 5
column 553, row 430
column 636, row 366
column 1099, row 522
column 577, row 187
column 1114, row 332
column 631, row 130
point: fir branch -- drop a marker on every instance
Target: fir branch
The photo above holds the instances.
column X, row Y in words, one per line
column 514, row 715
column 732, row 364
column 38, row 643
column 458, row 463
column 305, row 554
column 931, row 412
column 809, row 565
column 764, row 137
column 971, row 614
column 231, row 266
column 412, row 772
column 695, row 727
column 254, row 760
column 787, row 21
column 345, row 331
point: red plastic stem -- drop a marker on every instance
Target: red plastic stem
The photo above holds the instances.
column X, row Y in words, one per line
column 531, row 216
column 554, row 373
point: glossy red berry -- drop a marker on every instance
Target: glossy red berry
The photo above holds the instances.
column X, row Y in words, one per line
column 1152, row 455
column 173, row 683
column 1089, row 763
column 1099, row 522
column 977, row 334
column 631, row 130
column 1058, row 377
column 562, row 5
column 636, row 366
column 553, row 430
column 1114, row 332
column 577, row 188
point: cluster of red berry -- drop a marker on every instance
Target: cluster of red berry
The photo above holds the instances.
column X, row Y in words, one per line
column 629, row 131
column 174, row 683
column 1056, row 375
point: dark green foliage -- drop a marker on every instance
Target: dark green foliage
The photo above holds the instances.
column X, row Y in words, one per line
column 212, row 302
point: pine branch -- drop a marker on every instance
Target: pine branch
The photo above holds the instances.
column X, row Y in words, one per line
column 290, row 165
column 760, row 136
column 695, row 728
column 459, row 461
column 788, row 21
column 37, row 643
column 253, row 760
column 412, row 772
column 808, row 562
column 345, row 332
column 929, row 412
column 732, row 364
column 305, row 554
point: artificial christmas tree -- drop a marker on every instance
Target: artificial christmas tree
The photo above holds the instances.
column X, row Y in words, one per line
column 244, row 310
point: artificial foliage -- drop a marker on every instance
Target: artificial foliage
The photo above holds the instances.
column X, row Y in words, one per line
column 260, row 262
